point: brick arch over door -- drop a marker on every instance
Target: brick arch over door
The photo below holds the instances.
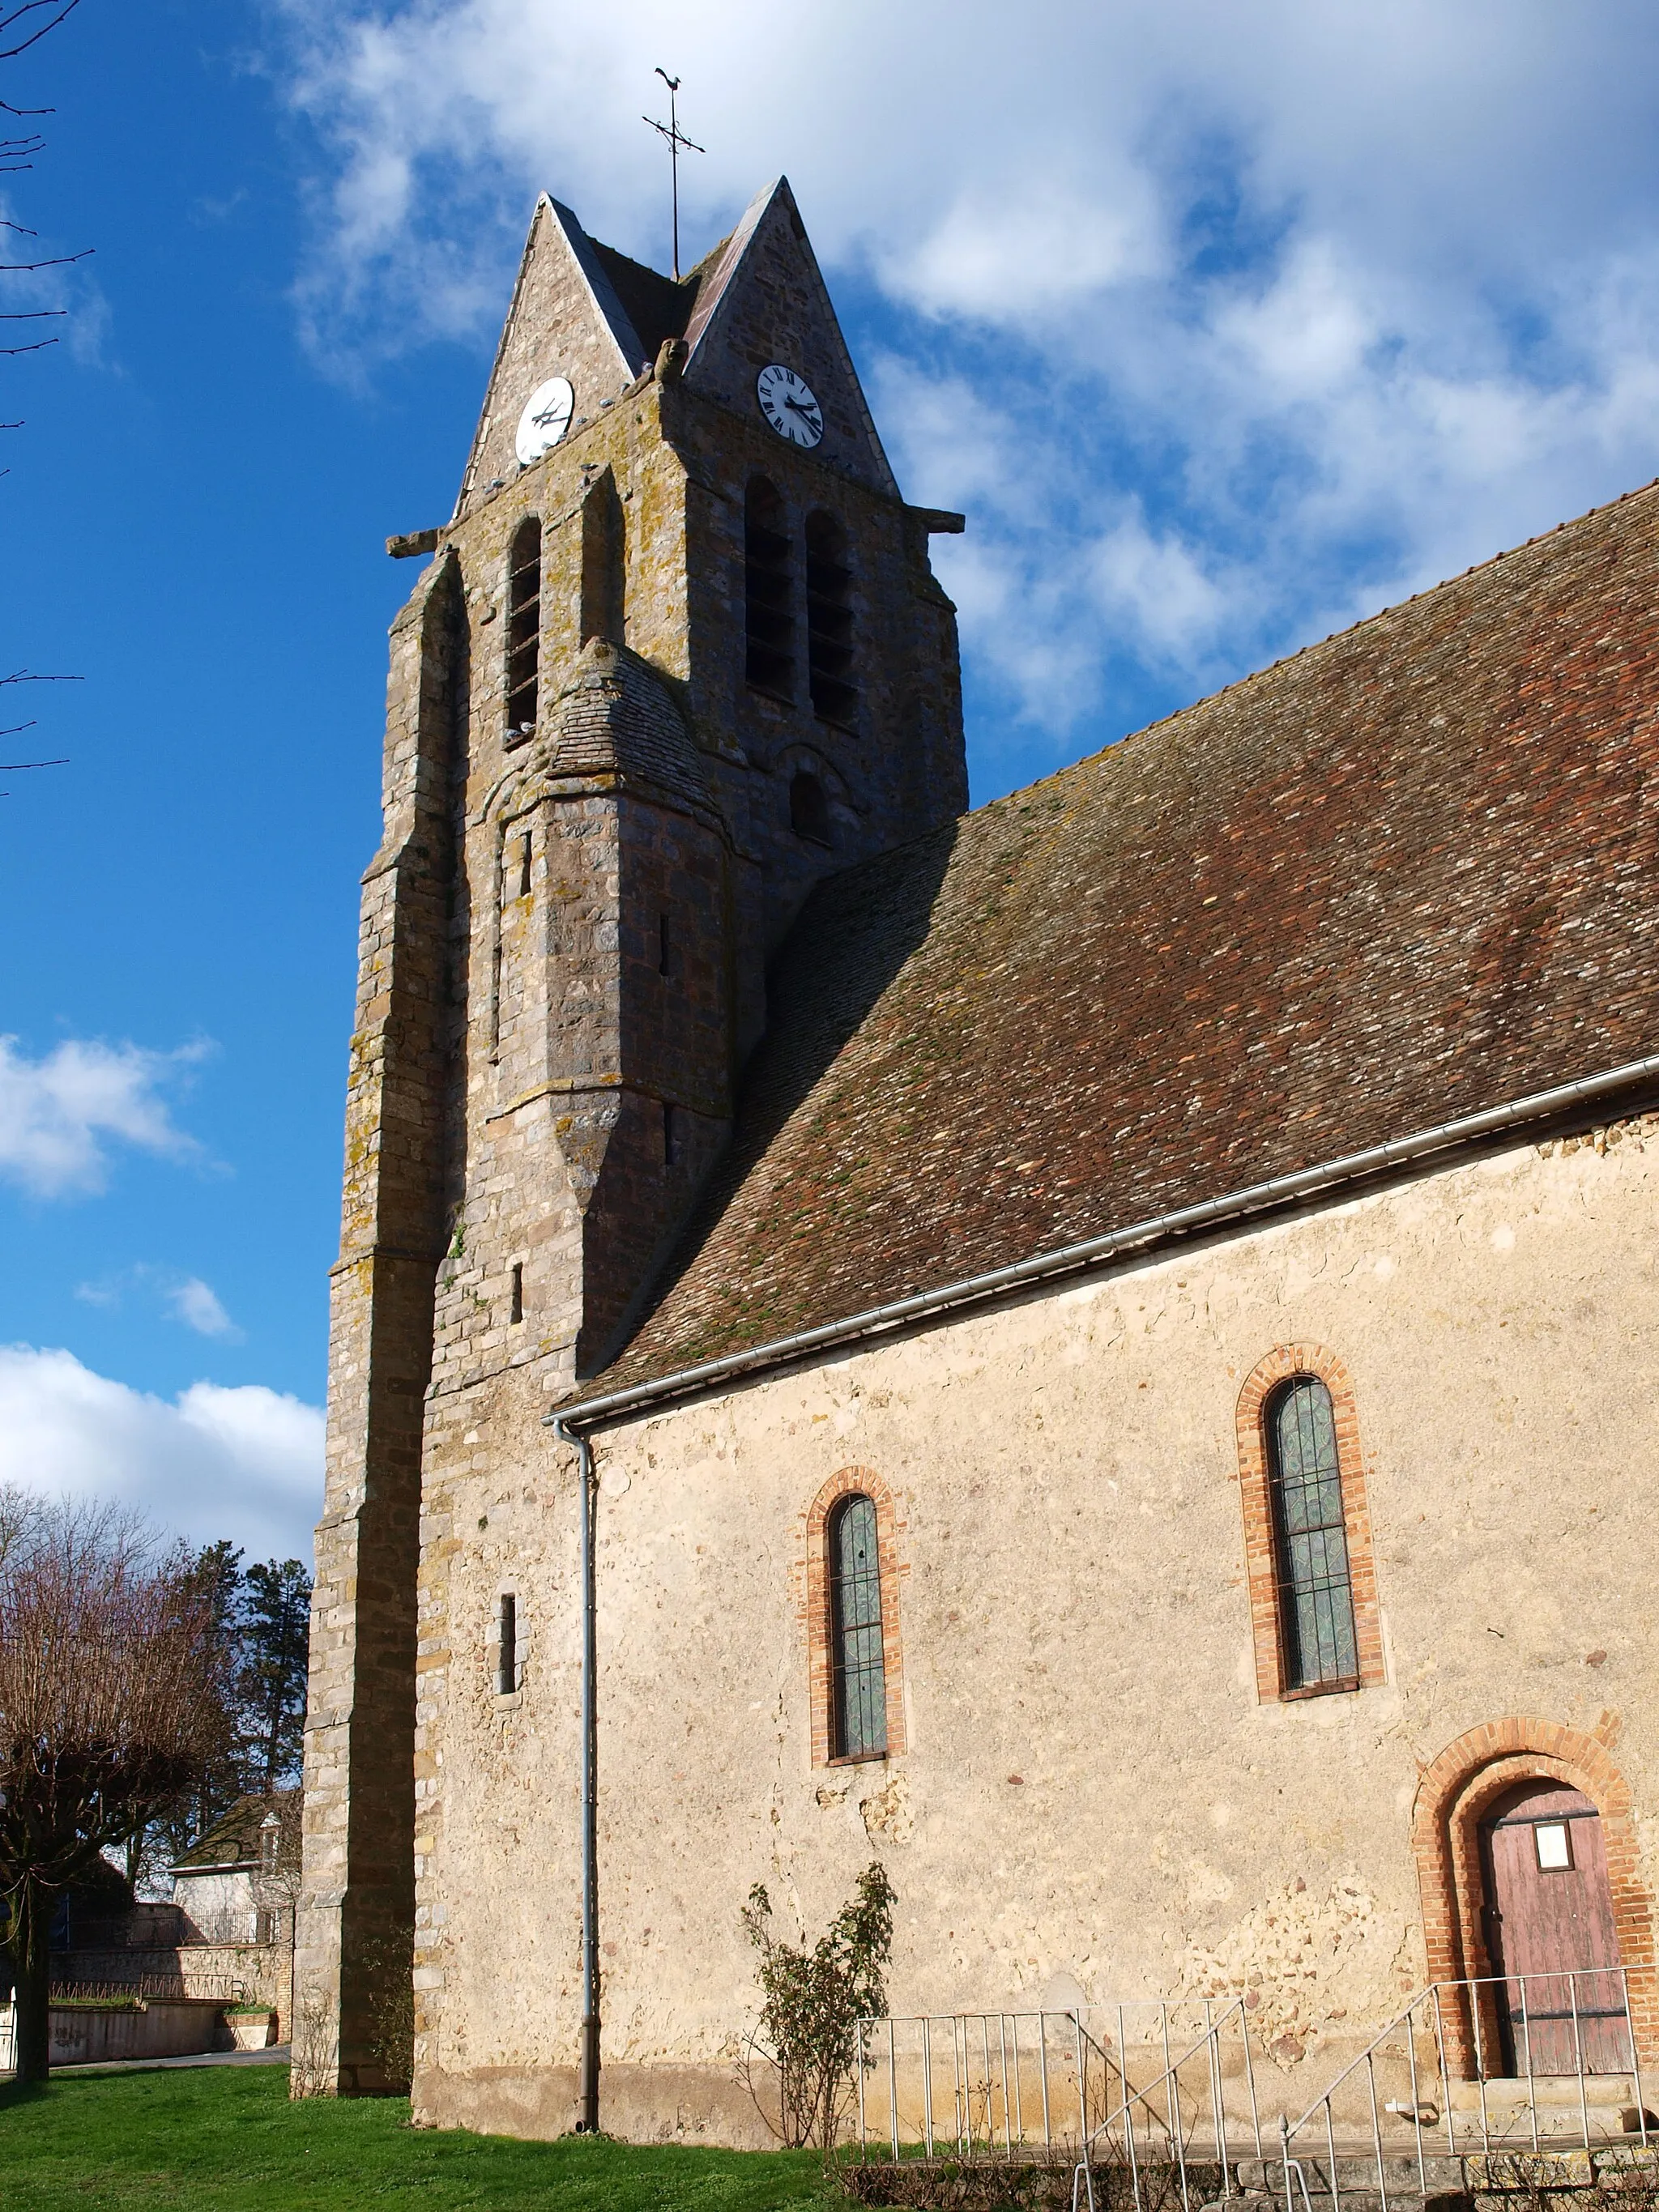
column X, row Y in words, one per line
column 1260, row 1554
column 849, row 1482
column 1454, row 1794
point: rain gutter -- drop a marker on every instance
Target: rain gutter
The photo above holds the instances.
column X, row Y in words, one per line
column 1070, row 1259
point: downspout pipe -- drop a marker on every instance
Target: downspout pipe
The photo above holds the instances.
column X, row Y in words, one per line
column 587, row 2063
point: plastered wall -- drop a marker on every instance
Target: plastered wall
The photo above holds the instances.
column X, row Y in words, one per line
column 1094, row 1797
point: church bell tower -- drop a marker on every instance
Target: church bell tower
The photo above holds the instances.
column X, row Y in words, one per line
column 678, row 655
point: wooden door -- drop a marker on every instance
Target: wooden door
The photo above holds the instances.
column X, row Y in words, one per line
column 1549, row 1933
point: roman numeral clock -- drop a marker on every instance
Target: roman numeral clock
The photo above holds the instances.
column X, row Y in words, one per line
column 789, row 403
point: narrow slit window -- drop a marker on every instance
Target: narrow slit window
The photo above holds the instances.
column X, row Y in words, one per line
column 809, row 808
column 1315, row 1588
column 664, row 949
column 768, row 592
column 859, row 1673
column 525, row 856
column 506, row 1674
column 516, row 1310
column 671, row 1137
column 829, row 621
column 524, row 629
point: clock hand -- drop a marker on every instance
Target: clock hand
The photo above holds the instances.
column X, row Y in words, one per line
column 811, row 413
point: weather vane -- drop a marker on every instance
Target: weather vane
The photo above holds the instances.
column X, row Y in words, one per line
column 671, row 132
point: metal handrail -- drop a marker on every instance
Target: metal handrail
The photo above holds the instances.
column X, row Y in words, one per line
column 1169, row 2120
column 1467, row 2002
column 994, row 2057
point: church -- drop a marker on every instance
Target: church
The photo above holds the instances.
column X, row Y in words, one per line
column 1100, row 1351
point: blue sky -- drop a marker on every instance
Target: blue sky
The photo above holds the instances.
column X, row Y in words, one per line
column 1224, row 325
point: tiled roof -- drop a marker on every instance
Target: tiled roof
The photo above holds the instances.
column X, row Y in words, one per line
column 1408, row 874
column 234, row 1838
column 614, row 718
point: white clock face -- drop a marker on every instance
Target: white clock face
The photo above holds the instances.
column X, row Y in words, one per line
column 787, row 402
column 545, row 419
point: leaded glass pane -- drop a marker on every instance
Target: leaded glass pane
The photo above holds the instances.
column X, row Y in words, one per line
column 1310, row 1536
column 860, row 1682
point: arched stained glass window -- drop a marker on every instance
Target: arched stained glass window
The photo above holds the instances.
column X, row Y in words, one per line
column 1310, row 1539
column 859, row 1673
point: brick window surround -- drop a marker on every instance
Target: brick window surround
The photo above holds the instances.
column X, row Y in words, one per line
column 847, row 1482
column 1260, row 1552
column 1453, row 1795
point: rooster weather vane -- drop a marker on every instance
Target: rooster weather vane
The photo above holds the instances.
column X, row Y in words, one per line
column 670, row 130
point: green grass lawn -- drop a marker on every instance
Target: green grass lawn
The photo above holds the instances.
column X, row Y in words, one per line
column 226, row 2139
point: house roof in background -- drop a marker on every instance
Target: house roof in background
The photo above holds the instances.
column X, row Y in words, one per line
column 234, row 1838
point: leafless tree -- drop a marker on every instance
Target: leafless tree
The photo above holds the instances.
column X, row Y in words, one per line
column 111, row 1699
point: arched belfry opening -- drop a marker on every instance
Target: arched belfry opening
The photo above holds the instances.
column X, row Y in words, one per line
column 768, row 590
column 603, row 561
column 829, row 620
column 524, row 628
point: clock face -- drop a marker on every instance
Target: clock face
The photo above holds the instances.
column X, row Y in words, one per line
column 545, row 419
column 787, row 402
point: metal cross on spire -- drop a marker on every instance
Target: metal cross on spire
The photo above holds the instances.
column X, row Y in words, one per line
column 671, row 132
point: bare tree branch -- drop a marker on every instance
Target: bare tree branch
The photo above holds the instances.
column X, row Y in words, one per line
column 58, row 261
column 55, row 10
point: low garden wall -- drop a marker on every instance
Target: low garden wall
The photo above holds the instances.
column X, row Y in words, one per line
column 90, row 2034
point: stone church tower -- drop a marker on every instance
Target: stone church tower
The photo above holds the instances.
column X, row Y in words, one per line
column 678, row 656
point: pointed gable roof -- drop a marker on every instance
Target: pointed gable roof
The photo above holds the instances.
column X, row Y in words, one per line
column 567, row 319
column 585, row 310
column 760, row 297
column 1408, row 875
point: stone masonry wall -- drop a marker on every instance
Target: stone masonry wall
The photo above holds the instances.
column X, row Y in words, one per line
column 1095, row 1798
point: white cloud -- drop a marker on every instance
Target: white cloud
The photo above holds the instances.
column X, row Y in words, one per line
column 197, row 1305
column 244, row 1463
column 57, row 1114
column 1224, row 324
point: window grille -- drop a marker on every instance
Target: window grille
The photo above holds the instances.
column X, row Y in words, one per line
column 1315, row 1590
column 506, row 1676
column 524, row 628
column 859, row 1671
column 767, row 591
column 829, row 620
